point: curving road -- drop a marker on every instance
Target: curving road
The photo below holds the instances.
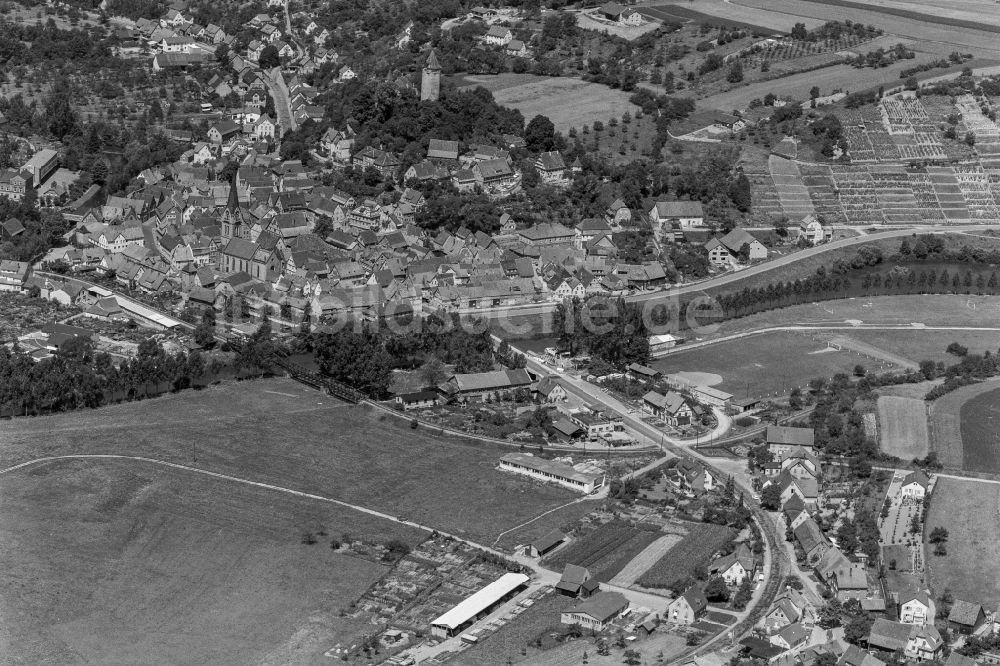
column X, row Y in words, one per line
column 787, row 260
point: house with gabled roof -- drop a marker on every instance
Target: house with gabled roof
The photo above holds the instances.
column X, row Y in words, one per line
column 443, row 151
column 787, row 608
column 596, row 612
column 921, row 643
column 671, row 407
column 551, row 168
column 668, row 216
column 914, row 607
column 736, row 247
column 735, row 567
column 688, row 607
column 914, row 485
column 966, row 616
column 498, row 35
column 576, row 581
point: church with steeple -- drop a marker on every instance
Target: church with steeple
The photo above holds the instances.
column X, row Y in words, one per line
column 430, row 79
column 234, row 222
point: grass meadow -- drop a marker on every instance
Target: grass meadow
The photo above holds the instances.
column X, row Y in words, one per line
column 970, row 510
column 108, row 562
column 903, row 427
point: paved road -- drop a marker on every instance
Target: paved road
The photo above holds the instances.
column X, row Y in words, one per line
column 282, row 104
column 787, row 260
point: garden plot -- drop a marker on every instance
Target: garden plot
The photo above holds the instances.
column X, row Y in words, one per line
column 792, row 192
column 642, row 562
column 857, row 194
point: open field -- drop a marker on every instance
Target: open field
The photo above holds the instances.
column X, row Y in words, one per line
column 765, row 365
column 562, row 519
column 934, row 37
column 918, row 390
column 980, row 426
column 948, row 431
column 717, row 12
column 567, row 102
column 981, row 14
column 108, row 562
column 279, row 432
column 920, row 344
column 970, row 510
column 694, row 550
column 797, row 86
column 903, row 427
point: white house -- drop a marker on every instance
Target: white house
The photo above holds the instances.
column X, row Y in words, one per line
column 726, row 252
column 498, row 36
column 914, row 485
column 914, row 608
column 264, row 127
column 735, row 567
column 812, row 231
column 669, row 215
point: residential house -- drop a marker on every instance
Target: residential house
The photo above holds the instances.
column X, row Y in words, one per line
column 617, row 213
column 917, row 642
column 855, row 656
column 596, row 612
column 843, row 578
column 813, row 232
column 642, row 373
column 736, row 567
column 791, row 637
column 576, row 582
column 672, row 408
column 493, row 173
column 914, row 485
column 914, row 607
column 668, row 216
column 443, row 151
column 417, row 400
column 549, row 389
column 14, row 274
column 498, row 35
column 551, row 168
column 782, row 439
column 516, row 48
column 736, row 247
column 223, row 131
column 688, row 607
column 691, row 477
column 787, row 608
column 810, row 538
column 547, row 233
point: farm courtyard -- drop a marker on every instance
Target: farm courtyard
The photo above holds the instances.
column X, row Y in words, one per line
column 567, row 102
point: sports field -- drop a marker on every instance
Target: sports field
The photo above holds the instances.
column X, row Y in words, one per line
column 970, row 510
column 765, row 365
column 121, row 563
column 903, row 427
column 280, row 432
column 567, row 102
column 920, row 344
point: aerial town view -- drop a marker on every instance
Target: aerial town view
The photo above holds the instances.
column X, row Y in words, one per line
column 500, row 332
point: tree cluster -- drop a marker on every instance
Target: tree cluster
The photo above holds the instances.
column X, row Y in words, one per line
column 613, row 331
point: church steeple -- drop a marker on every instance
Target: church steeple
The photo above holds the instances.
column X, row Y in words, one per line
column 233, row 223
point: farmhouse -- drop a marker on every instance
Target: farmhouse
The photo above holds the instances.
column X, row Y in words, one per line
column 612, row 11
column 669, row 215
column 672, row 407
column 547, row 233
column 577, row 582
column 734, row 248
column 550, row 390
column 921, row 643
column 845, row 579
column 444, row 151
column 555, row 472
column 966, row 617
column 914, row 485
column 687, row 608
column 812, row 231
column 788, row 607
column 596, row 612
column 481, row 385
column 782, row 439
column 478, row 605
